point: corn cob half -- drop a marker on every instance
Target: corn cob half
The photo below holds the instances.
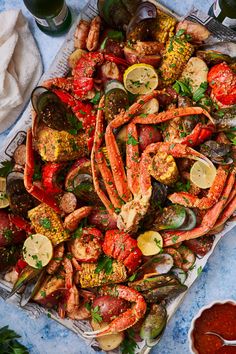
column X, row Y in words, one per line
column 48, row 223
column 165, row 27
column 54, row 145
column 89, row 278
column 177, row 53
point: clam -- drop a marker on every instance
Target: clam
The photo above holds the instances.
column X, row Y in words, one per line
column 171, row 218
column 156, row 265
column 225, row 119
column 153, row 324
column 217, row 152
column 213, row 57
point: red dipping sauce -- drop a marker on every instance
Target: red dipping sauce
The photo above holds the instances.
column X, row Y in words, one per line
column 221, row 319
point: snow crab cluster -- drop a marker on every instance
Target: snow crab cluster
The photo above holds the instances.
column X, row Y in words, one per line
column 128, row 172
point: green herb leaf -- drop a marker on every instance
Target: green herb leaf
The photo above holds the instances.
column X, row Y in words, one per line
column 199, row 270
column 129, row 344
column 182, row 88
column 96, row 316
column 199, row 93
column 45, row 222
column 104, row 263
column 131, row 140
column 232, row 137
column 6, row 168
column 9, row 344
column 96, row 98
column 133, row 277
column 182, row 187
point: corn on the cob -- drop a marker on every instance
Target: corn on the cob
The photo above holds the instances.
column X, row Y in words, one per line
column 47, row 222
column 177, row 53
column 54, row 145
column 89, row 279
column 165, row 27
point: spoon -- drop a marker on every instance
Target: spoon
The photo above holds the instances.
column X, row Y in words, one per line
column 225, row 341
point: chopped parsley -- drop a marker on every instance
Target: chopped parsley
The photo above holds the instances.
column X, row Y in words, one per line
column 182, row 88
column 96, row 98
column 104, row 263
column 9, row 343
column 199, row 270
column 131, row 140
column 200, row 92
column 46, row 223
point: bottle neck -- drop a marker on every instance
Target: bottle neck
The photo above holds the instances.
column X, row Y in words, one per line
column 225, row 11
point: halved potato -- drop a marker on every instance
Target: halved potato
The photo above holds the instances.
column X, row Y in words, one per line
column 195, row 72
column 75, row 56
column 109, row 342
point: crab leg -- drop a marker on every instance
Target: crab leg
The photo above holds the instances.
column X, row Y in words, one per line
column 128, row 318
column 208, row 221
column 31, row 188
column 96, row 145
column 107, row 179
column 190, row 200
column 115, row 158
column 117, row 166
column 132, row 159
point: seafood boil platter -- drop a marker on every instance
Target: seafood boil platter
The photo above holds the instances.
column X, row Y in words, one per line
column 119, row 180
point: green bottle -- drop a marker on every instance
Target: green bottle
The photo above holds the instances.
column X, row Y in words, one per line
column 225, row 12
column 52, row 16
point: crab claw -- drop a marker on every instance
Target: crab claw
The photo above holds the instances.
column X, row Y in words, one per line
column 31, row 188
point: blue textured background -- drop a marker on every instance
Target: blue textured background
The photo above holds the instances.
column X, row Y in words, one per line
column 217, row 281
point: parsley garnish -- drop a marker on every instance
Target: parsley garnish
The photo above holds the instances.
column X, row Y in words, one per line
column 199, row 93
column 104, row 263
column 9, row 344
column 133, row 277
column 78, row 232
column 6, row 168
column 182, row 187
column 45, row 222
column 199, row 270
column 96, row 314
column 131, row 140
column 231, row 137
column 182, row 88
column 129, row 344
column 96, row 98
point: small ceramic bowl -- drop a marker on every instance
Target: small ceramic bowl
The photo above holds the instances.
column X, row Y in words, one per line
column 192, row 349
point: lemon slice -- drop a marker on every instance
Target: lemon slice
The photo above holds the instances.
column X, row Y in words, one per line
column 37, row 250
column 4, row 202
column 150, row 243
column 3, row 184
column 202, row 175
column 140, row 79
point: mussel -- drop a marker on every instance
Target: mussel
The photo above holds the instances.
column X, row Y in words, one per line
column 175, row 217
column 117, row 13
column 116, row 98
column 212, row 57
column 225, row 119
column 20, row 200
column 159, row 264
column 153, row 324
column 9, row 256
column 143, row 23
column 79, row 181
column 217, row 152
column 50, row 109
column 156, row 288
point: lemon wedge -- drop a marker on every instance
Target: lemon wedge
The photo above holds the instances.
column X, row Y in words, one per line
column 140, row 79
column 3, row 184
column 150, row 243
column 4, row 202
column 37, row 250
column 202, row 175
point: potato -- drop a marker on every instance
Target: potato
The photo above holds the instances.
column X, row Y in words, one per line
column 110, row 307
column 75, row 56
column 109, row 342
column 102, row 219
column 151, row 107
column 148, row 134
column 196, row 72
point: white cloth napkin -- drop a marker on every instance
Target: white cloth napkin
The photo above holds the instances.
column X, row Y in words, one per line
column 20, row 66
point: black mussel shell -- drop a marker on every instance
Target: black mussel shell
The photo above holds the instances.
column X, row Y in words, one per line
column 142, row 23
column 50, row 109
column 20, row 200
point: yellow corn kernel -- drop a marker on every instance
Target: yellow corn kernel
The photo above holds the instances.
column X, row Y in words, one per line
column 48, row 223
